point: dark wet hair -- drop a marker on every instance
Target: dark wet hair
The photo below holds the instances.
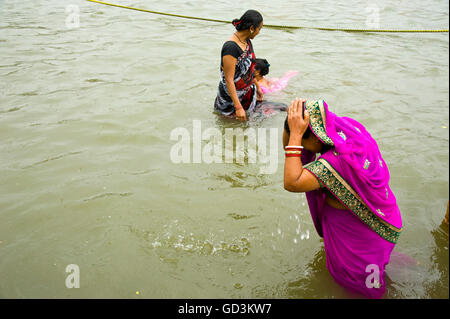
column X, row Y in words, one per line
column 286, row 127
column 262, row 66
column 251, row 18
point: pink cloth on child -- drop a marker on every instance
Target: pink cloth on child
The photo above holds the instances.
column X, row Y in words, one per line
column 278, row 84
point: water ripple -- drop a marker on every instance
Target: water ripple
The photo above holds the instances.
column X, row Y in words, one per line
column 54, row 158
column 103, row 195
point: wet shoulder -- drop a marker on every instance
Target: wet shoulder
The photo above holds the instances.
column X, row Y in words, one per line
column 231, row 48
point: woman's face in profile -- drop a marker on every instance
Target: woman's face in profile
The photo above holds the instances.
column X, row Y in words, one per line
column 256, row 31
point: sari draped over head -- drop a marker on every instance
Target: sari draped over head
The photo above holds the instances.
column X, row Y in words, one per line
column 360, row 238
column 243, row 80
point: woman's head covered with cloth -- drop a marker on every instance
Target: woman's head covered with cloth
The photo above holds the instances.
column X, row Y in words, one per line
column 354, row 156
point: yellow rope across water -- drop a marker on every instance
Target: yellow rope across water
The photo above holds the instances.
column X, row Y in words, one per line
column 272, row 26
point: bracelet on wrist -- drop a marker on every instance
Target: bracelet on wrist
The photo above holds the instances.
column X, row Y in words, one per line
column 291, row 152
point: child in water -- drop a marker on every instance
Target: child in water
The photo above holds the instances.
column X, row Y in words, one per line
column 270, row 85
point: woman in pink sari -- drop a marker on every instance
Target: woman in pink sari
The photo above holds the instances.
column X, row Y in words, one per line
column 347, row 189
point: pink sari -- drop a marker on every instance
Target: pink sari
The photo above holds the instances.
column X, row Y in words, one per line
column 359, row 240
column 278, row 84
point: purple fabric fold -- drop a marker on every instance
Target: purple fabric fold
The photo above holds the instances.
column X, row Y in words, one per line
column 360, row 163
column 355, row 255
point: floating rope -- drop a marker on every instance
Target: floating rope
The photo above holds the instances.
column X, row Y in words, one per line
column 268, row 25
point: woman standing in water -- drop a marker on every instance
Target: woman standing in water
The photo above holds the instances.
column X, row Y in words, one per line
column 238, row 91
column 347, row 188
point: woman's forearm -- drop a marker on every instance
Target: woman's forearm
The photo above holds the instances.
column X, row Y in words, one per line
column 229, row 69
column 293, row 166
column 297, row 179
column 233, row 94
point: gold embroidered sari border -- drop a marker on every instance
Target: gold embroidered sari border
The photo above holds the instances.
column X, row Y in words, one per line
column 324, row 115
column 317, row 119
column 329, row 177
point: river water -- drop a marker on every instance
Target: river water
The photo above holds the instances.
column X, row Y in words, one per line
column 87, row 178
